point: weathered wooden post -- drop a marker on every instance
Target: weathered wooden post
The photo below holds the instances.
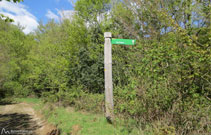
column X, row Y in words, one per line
column 108, row 71
column 108, row 77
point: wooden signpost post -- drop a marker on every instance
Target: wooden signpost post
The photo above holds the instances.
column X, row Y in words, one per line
column 109, row 105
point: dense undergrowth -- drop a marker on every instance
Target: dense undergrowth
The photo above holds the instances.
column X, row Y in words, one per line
column 164, row 81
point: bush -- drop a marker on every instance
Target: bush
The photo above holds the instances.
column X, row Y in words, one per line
column 90, row 102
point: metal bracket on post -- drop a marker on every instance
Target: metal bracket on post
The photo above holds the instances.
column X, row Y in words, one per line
column 108, row 77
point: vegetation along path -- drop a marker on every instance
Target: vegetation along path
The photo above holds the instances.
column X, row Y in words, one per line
column 21, row 118
column 31, row 116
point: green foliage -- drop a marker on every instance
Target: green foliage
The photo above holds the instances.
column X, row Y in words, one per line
column 14, row 50
column 163, row 82
column 166, row 66
column 90, row 102
column 91, row 9
column 5, row 18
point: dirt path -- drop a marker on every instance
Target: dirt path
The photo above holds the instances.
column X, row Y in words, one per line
column 22, row 119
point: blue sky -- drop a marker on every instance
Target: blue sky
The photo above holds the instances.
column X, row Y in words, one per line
column 30, row 12
column 39, row 8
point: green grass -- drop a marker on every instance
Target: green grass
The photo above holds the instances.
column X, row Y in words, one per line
column 28, row 100
column 89, row 124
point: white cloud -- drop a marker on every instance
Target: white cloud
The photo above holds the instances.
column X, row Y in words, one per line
column 60, row 15
column 72, row 2
column 52, row 15
column 66, row 14
column 19, row 13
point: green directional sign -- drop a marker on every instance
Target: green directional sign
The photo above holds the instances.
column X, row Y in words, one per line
column 123, row 41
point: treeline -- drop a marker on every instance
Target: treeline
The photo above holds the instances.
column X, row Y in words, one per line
column 163, row 82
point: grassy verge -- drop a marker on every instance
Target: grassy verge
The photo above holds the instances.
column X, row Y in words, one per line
column 76, row 122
